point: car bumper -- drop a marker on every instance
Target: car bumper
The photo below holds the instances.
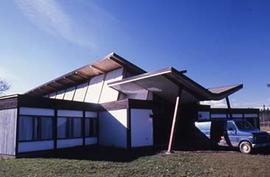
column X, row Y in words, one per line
column 261, row 145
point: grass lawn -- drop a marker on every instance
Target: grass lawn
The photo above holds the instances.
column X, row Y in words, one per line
column 89, row 162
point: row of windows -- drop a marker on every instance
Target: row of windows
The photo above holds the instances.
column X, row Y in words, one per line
column 35, row 128
column 32, row 128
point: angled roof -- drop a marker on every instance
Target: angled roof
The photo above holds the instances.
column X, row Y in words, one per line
column 222, row 89
column 83, row 74
column 167, row 83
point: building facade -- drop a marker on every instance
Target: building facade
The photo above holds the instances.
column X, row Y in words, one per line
column 111, row 102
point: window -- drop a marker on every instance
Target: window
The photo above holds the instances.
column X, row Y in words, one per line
column 90, row 127
column 69, row 127
column 33, row 128
column 244, row 125
column 46, row 130
column 230, row 126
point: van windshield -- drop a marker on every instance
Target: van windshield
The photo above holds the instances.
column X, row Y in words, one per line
column 244, row 125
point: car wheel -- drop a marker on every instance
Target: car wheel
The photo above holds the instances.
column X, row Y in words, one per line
column 245, row 147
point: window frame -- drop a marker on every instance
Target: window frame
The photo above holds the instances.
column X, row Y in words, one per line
column 37, row 131
column 232, row 125
column 68, row 128
column 91, row 125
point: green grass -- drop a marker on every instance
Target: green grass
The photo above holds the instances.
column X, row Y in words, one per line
column 181, row 163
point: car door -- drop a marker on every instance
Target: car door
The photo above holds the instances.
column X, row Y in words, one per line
column 232, row 137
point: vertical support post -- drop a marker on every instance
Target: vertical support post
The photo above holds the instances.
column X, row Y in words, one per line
column 17, row 131
column 258, row 120
column 97, row 126
column 55, row 130
column 229, row 106
column 169, row 151
column 129, row 126
column 83, row 128
column 228, row 102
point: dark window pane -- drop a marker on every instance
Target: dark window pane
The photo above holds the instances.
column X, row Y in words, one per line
column 87, row 127
column 25, row 128
column 35, row 128
column 90, row 127
column 77, row 128
column 62, row 128
column 46, row 128
column 93, row 127
column 230, row 126
column 69, row 127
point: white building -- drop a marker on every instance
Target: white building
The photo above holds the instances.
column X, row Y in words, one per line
column 111, row 102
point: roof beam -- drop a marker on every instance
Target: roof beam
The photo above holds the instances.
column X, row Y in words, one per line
column 98, row 68
column 55, row 89
column 58, row 83
column 81, row 75
column 70, row 80
column 124, row 63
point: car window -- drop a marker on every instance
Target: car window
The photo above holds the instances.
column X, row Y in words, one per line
column 230, row 126
column 244, row 125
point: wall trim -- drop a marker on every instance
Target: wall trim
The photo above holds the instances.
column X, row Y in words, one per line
column 128, row 128
column 17, row 132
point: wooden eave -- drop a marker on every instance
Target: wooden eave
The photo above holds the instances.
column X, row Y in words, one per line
column 84, row 74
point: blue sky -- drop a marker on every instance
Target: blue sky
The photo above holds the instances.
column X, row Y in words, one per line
column 218, row 42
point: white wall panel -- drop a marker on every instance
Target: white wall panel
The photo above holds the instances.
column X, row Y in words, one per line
column 36, row 111
column 60, row 95
column 113, row 128
column 141, row 127
column 8, row 125
column 52, row 95
column 94, row 89
column 140, row 95
column 90, row 114
column 80, row 92
column 69, row 113
column 69, row 93
column 108, row 94
column 35, row 146
column 64, row 143
column 89, row 141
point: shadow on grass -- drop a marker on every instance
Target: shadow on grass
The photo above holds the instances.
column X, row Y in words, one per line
column 215, row 148
column 99, row 153
column 95, row 153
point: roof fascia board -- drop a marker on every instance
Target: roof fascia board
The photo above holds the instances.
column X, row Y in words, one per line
column 141, row 76
column 120, row 60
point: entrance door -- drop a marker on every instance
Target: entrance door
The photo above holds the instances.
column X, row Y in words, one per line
column 141, row 127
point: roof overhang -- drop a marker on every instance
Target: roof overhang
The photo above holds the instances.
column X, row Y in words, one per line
column 168, row 82
column 83, row 74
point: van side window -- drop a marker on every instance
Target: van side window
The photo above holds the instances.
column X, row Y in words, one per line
column 230, row 126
